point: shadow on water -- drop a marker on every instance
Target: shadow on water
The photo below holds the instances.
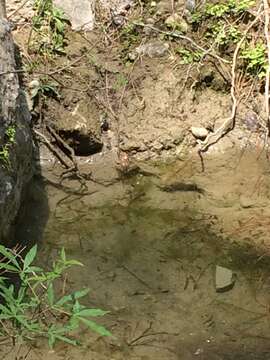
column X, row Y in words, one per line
column 33, row 213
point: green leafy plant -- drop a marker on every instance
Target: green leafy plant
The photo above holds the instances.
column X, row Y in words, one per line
column 48, row 25
column 216, row 10
column 129, row 35
column 255, row 58
column 4, row 156
column 11, row 133
column 223, row 34
column 219, row 11
column 34, row 308
column 44, row 88
column 120, row 81
column 232, row 7
column 189, row 57
column 9, row 139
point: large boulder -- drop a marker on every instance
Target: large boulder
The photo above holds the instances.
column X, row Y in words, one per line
column 15, row 134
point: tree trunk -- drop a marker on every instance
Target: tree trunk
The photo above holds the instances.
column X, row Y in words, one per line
column 15, row 133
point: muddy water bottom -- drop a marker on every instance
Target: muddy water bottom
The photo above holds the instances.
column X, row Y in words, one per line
column 153, row 267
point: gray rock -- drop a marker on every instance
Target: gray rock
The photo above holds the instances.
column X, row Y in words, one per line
column 190, row 5
column 80, row 13
column 199, row 132
column 246, row 202
column 176, row 22
column 16, row 167
column 153, row 49
column 224, row 279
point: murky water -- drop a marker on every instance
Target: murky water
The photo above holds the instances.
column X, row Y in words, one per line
column 150, row 259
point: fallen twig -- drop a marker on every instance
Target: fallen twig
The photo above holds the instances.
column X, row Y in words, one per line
column 18, row 9
column 136, row 277
column 183, row 37
column 51, row 148
column 70, row 150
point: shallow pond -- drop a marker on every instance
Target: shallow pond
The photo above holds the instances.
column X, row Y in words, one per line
column 150, row 259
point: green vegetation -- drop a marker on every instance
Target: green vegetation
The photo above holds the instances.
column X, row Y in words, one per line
column 120, row 82
column 48, row 27
column 221, row 25
column 10, row 133
column 44, row 88
column 231, row 7
column 221, row 22
column 255, row 59
column 35, row 309
column 4, row 156
column 9, row 140
column 129, row 36
column 189, row 57
column 223, row 34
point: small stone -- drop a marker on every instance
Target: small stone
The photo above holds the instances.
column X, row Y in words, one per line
column 34, row 84
column 175, row 22
column 118, row 20
column 80, row 13
column 246, row 202
column 199, row 132
column 132, row 56
column 150, row 21
column 190, row 5
column 153, row 49
column 224, row 279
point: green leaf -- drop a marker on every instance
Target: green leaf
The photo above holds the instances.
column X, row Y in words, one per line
column 80, row 293
column 50, row 294
column 22, row 293
column 9, row 255
column 51, row 339
column 64, row 300
column 34, row 269
column 77, row 307
column 71, row 297
column 95, row 327
column 92, row 312
column 8, row 267
column 5, row 316
column 66, row 339
column 6, row 293
column 59, row 25
column 4, row 310
column 30, row 256
column 63, row 255
column 73, row 323
column 73, row 262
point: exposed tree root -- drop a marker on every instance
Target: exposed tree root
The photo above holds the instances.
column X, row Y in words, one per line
column 229, row 123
